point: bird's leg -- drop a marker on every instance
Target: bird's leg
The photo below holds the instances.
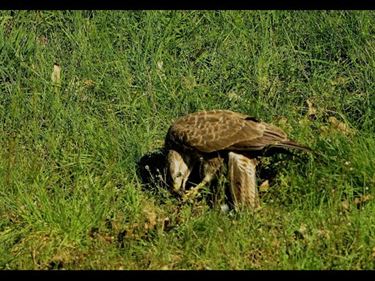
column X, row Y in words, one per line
column 193, row 192
column 242, row 178
column 210, row 169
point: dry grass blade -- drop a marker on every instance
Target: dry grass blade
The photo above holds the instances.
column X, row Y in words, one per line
column 264, row 186
column 311, row 112
column 55, row 76
column 340, row 126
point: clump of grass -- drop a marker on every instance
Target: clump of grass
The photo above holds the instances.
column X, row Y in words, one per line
column 71, row 196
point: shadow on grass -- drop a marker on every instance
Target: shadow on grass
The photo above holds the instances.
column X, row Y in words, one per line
column 151, row 169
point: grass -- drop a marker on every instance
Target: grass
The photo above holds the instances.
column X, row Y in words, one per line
column 70, row 194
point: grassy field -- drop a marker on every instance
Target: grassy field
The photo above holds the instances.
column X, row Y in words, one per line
column 70, row 193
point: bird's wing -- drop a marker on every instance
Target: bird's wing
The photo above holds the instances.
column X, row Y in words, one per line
column 210, row 131
column 270, row 136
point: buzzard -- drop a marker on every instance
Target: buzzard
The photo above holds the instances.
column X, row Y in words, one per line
column 212, row 138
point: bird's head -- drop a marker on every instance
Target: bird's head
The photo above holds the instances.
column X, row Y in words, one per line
column 178, row 170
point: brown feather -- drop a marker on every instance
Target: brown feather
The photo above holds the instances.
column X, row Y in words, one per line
column 242, row 180
column 216, row 130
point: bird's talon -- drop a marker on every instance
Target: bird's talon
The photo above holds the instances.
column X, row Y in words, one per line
column 191, row 194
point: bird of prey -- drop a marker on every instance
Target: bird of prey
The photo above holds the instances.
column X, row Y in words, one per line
column 207, row 137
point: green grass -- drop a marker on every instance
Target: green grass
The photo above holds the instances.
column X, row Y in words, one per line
column 70, row 195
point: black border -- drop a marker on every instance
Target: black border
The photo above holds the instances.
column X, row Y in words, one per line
column 182, row 274
column 188, row 4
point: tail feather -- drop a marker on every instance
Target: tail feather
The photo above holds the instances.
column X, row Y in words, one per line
column 294, row 145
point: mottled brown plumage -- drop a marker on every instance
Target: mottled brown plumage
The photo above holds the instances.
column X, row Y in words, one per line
column 202, row 137
column 218, row 130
